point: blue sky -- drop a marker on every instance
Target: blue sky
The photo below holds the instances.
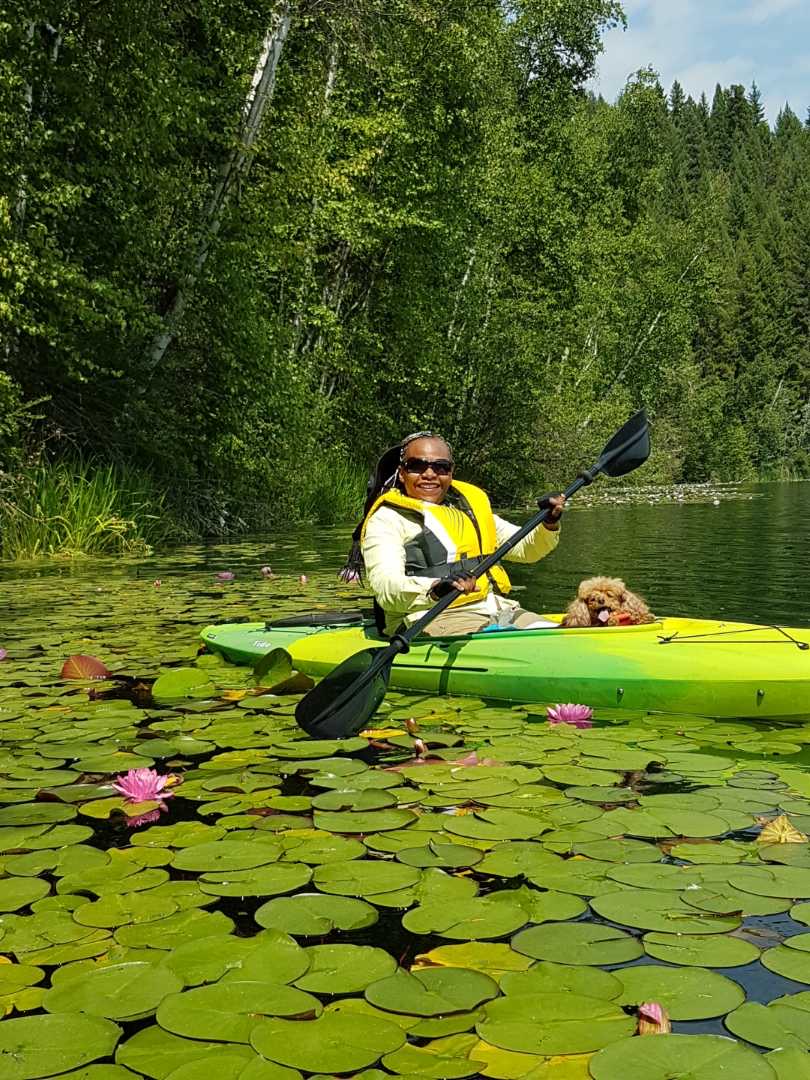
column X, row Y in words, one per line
column 725, row 41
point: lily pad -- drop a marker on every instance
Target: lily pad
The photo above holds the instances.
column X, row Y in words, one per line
column 539, row 906
column 175, row 929
column 442, row 1059
column 334, row 1043
column 18, row 892
column 690, row 993
column 451, row 856
column 226, row 855
column 619, row 851
column 316, row 848
column 360, row 822
column 577, row 943
column 234, row 1066
column 230, row 1010
column 156, row 1053
column 119, row 909
column 553, row 1023
column 119, row 992
column 207, row 959
column 182, row 683
column 36, row 813
column 511, row 1065
column 313, row 914
column 518, row 858
column 39, row 1046
column 700, row 950
column 358, row 878
column 650, row 909
column 497, row 825
column 789, row 882
column 783, row 1023
column 679, row 1057
column 551, row 978
column 789, row 1064
column 493, row 958
column 344, row 969
column 263, row 881
column 469, row 920
column 790, row 962
column 432, row 991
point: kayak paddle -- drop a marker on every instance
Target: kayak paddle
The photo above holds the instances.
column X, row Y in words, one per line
column 345, row 700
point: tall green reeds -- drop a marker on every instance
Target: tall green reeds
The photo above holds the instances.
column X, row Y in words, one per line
column 80, row 508
column 332, row 492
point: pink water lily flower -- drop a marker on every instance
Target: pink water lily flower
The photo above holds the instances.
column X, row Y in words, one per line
column 578, row 716
column 226, row 575
column 350, row 576
column 144, row 785
column 267, row 571
column 3, row 654
column 653, row 1019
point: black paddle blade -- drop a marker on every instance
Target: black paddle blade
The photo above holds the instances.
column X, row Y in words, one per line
column 629, row 447
column 343, row 702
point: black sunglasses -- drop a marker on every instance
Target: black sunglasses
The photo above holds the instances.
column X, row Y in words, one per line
column 440, row 466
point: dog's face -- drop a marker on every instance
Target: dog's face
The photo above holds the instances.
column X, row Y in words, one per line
column 602, row 596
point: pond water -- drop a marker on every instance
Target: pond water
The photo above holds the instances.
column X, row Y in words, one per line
column 321, row 909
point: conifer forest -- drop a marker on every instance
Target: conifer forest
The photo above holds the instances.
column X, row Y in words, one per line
column 245, row 246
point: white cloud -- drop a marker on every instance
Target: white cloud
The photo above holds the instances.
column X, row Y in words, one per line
column 760, row 11
column 704, row 76
column 703, row 43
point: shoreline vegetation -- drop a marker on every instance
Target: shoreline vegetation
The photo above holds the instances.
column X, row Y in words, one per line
column 243, row 249
column 72, row 510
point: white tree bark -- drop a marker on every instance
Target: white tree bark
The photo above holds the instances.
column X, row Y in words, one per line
column 644, row 338
column 231, row 173
column 304, row 288
column 28, row 97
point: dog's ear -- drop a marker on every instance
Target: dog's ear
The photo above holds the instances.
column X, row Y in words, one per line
column 577, row 615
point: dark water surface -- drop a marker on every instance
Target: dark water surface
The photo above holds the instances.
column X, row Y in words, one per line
column 735, row 553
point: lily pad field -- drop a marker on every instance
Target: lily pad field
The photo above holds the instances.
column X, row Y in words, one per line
column 192, row 889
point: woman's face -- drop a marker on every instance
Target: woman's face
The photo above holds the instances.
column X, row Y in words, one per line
column 419, row 478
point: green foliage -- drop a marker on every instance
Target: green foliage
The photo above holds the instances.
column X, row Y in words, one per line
column 435, row 226
column 15, row 419
column 80, row 508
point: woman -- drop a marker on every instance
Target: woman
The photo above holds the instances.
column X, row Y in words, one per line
column 422, row 532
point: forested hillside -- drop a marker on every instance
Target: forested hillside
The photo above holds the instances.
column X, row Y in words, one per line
column 245, row 245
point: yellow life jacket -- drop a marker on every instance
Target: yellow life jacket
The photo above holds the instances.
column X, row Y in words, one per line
column 455, row 535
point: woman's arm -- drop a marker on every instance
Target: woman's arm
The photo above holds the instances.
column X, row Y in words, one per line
column 539, row 543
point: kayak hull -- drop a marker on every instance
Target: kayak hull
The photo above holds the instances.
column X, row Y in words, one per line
column 694, row 666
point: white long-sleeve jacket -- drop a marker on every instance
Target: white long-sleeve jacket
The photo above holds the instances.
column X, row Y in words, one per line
column 403, row 597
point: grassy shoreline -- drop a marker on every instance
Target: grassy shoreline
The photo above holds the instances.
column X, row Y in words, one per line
column 70, row 509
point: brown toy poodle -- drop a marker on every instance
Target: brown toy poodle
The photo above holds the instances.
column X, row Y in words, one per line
column 605, row 601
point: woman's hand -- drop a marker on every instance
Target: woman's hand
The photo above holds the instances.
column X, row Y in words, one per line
column 463, row 583
column 556, row 505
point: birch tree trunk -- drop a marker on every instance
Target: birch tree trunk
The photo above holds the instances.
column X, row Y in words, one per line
column 232, row 172
column 306, row 278
column 28, row 98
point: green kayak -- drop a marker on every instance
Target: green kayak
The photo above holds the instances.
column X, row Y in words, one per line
column 703, row 667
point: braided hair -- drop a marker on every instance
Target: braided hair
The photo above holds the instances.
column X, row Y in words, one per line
column 384, row 478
